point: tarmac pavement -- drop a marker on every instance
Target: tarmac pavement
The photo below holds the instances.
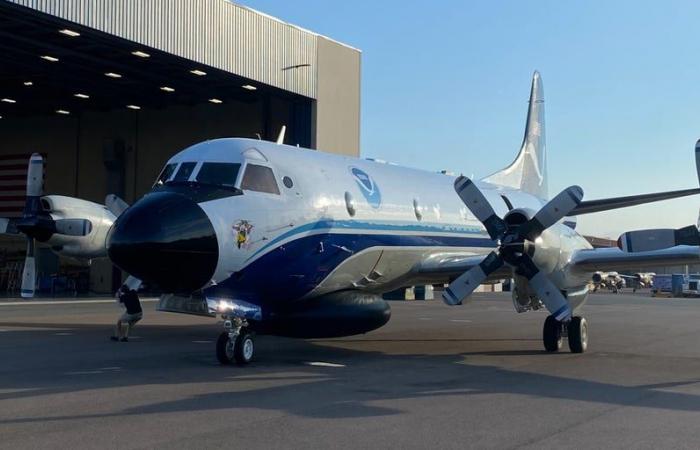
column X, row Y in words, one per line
column 474, row 376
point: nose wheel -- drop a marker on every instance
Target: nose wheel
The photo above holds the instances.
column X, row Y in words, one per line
column 236, row 344
column 576, row 330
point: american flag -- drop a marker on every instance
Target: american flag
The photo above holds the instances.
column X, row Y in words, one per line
column 13, row 183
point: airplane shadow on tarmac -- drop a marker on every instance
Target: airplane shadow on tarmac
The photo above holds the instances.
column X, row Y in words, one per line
column 38, row 363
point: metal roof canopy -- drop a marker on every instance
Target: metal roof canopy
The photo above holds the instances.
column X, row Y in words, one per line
column 83, row 61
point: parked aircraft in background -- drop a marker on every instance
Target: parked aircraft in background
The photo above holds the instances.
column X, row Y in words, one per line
column 289, row 241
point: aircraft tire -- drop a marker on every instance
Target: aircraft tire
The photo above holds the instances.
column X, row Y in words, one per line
column 551, row 334
column 578, row 335
column 244, row 348
column 224, row 349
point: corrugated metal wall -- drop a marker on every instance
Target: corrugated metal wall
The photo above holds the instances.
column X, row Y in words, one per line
column 217, row 33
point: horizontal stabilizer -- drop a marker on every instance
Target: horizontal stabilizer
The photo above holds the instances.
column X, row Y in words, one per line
column 607, row 204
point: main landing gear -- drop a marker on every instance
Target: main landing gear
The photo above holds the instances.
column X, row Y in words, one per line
column 235, row 343
column 576, row 330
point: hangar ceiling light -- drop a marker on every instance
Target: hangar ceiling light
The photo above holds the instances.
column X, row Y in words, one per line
column 49, row 58
column 167, row 89
column 8, row 100
column 62, row 112
column 68, row 32
column 216, row 101
column 83, row 96
column 140, row 54
column 249, row 87
column 199, row 73
column 113, row 75
column 134, row 107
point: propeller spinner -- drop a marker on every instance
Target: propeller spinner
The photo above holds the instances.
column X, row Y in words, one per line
column 515, row 246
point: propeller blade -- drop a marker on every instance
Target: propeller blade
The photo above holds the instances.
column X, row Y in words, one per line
column 35, row 185
column 474, row 199
column 7, row 226
column 551, row 213
column 29, row 272
column 550, row 295
column 73, row 227
column 658, row 239
column 462, row 287
column 115, row 205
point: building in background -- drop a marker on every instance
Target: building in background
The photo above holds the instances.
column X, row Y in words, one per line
column 108, row 90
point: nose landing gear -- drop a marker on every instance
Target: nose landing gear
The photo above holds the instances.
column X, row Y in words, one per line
column 236, row 343
column 576, row 330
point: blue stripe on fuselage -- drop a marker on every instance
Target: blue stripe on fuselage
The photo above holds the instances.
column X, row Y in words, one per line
column 330, row 224
column 293, row 269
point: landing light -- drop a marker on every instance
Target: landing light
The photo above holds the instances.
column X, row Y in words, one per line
column 215, row 101
column 83, row 96
column 49, row 58
column 249, row 87
column 8, row 100
column 199, row 73
column 68, row 32
column 62, row 111
column 140, row 54
column 113, row 75
column 167, row 89
column 28, row 83
column 134, row 107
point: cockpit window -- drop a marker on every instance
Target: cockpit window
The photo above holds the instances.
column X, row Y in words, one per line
column 184, row 172
column 220, row 174
column 260, row 179
column 165, row 173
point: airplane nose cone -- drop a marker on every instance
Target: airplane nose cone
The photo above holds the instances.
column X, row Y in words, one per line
column 166, row 239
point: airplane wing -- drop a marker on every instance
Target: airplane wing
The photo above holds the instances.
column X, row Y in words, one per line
column 607, row 259
column 450, row 265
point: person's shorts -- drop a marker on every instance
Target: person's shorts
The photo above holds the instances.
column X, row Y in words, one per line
column 131, row 318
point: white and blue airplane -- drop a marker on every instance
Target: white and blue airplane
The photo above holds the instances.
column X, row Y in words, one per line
column 288, row 241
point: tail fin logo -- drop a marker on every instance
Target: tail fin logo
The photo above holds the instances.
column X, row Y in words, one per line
column 367, row 186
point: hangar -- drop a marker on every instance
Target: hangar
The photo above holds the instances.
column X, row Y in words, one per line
column 108, row 90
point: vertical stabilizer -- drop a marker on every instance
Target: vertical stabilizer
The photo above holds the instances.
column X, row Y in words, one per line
column 529, row 170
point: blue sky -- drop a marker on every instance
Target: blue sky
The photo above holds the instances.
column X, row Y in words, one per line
column 445, row 86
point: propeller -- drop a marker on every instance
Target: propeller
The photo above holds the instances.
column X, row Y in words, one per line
column 115, row 205
column 516, row 246
column 658, row 239
column 32, row 207
column 37, row 225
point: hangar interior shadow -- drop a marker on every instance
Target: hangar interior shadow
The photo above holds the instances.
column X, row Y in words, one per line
column 337, row 392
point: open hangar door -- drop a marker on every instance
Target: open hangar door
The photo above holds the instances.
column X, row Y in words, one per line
column 106, row 113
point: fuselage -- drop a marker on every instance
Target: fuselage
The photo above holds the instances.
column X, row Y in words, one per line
column 296, row 224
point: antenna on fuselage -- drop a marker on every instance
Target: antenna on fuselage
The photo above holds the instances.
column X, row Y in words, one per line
column 280, row 137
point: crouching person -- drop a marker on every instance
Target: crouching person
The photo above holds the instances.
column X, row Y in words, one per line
column 128, row 298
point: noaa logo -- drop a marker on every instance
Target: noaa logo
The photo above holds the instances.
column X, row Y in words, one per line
column 367, row 186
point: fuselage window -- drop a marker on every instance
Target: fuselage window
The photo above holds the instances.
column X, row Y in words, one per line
column 220, row 174
column 288, row 183
column 165, row 173
column 184, row 172
column 259, row 179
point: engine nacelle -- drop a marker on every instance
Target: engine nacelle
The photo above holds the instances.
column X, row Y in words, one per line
column 89, row 246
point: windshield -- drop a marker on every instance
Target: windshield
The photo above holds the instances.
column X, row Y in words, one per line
column 184, row 172
column 165, row 173
column 219, row 174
